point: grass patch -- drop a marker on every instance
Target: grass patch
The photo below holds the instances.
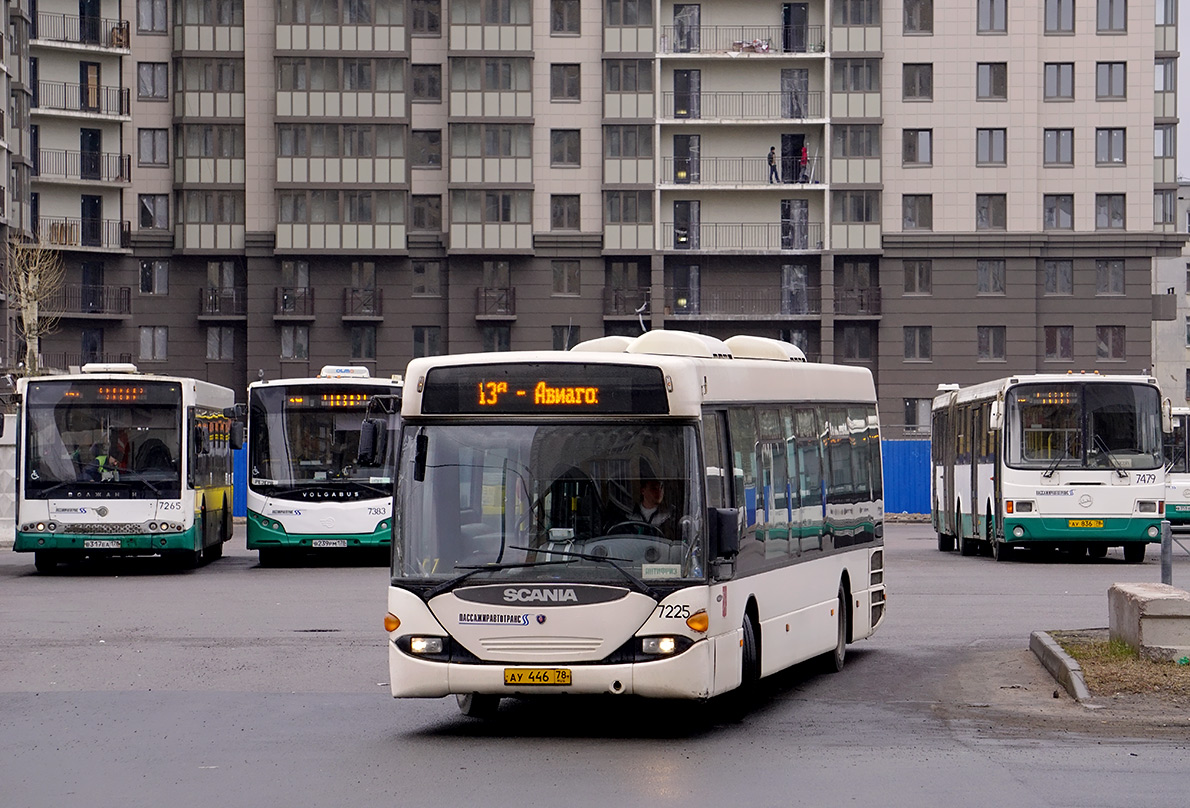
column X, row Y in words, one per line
column 1113, row 668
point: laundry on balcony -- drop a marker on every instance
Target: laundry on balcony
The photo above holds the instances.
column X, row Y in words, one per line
column 752, row 46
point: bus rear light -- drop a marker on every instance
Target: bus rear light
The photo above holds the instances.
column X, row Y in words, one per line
column 425, row 645
column 658, row 646
column 153, row 526
column 700, row 621
column 391, row 622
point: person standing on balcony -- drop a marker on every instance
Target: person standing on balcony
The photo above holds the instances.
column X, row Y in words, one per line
column 773, row 177
column 804, row 171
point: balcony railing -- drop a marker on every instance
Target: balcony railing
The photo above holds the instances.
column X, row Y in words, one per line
column 222, row 302
column 88, row 299
column 362, row 302
column 74, row 97
column 61, row 360
column 737, row 170
column 497, row 301
column 742, row 39
column 718, row 236
column 66, row 231
column 741, row 105
column 625, row 301
column 858, row 301
column 296, row 300
column 50, row 27
column 773, row 302
column 76, row 165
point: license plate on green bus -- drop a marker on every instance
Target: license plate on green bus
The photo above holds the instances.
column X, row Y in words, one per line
column 328, row 543
column 1084, row 523
column 536, row 676
column 101, row 544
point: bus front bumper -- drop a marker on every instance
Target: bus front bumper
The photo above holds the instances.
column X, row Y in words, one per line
column 264, row 532
column 93, row 544
column 1094, row 530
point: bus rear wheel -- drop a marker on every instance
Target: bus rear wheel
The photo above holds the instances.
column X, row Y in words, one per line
column 1134, row 552
column 478, row 705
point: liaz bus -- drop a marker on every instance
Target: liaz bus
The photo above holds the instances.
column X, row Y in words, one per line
column 310, row 488
column 116, row 462
column 1069, row 461
column 1177, row 470
column 522, row 566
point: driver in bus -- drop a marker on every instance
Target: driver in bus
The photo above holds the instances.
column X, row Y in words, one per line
column 652, row 509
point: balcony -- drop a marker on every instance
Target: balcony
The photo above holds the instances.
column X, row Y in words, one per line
column 743, row 304
column 495, row 303
column 743, row 237
column 625, row 302
column 363, row 304
column 75, row 30
column 775, row 39
column 741, row 105
column 66, row 231
column 858, row 302
column 90, row 301
column 63, row 360
column 293, row 302
column 222, row 304
column 59, row 164
column 737, row 171
column 63, row 96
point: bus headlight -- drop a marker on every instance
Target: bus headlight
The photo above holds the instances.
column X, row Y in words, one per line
column 658, row 646
column 1023, row 506
column 1146, row 506
column 425, row 645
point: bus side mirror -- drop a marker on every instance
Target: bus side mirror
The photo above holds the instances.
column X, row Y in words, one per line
column 996, row 415
column 236, row 436
column 236, row 412
column 724, row 529
column 1167, row 417
column 373, row 441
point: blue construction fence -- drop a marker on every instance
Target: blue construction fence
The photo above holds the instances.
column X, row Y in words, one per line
column 906, row 477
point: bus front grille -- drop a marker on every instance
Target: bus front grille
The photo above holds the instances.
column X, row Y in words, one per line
column 542, row 645
column 103, row 529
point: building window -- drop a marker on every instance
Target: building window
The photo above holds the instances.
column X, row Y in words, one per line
column 917, row 416
column 917, row 82
column 915, row 147
column 855, row 342
column 427, row 340
column 295, row 342
column 425, row 17
column 919, row 345
column 1109, row 342
column 565, row 336
column 425, row 148
column 989, row 274
column 150, row 16
column 991, row 81
column 989, row 342
column 1165, row 75
column 1165, row 206
column 1188, row 384
column 497, row 337
column 628, row 207
column 154, row 277
column 856, row 207
column 919, row 277
column 1165, row 139
column 1109, row 277
column 917, row 212
column 154, row 211
column 363, row 341
column 1059, row 81
column 564, row 17
column 1059, row 343
column 566, row 278
column 991, row 146
column 564, row 147
column 1111, row 80
column 427, row 279
column 564, row 83
column 152, row 80
column 856, row 12
column 991, row 212
column 427, row 83
column 629, row 13
column 856, row 76
column 152, row 147
column 220, row 342
column 425, row 212
column 564, row 212
column 154, row 342
column 1111, row 16
column 1057, row 212
column 919, row 17
column 1059, row 147
column 1109, row 146
column 628, row 141
column 628, row 76
column 1059, row 16
column 1059, row 277
column 992, row 16
column 1188, row 331
column 1109, row 211
column 856, row 141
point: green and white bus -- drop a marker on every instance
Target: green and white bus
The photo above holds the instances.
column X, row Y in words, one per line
column 1177, row 470
column 114, row 462
column 520, row 564
column 1071, row 461
column 310, row 487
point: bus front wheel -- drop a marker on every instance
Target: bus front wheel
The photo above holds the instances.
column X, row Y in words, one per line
column 945, row 542
column 478, row 705
column 1134, row 552
column 836, row 658
column 45, row 561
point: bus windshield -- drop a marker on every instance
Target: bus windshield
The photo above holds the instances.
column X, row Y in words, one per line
column 123, row 438
column 1083, row 426
column 589, row 502
column 308, row 436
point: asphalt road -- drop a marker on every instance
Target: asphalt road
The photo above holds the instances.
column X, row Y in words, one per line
column 235, row 685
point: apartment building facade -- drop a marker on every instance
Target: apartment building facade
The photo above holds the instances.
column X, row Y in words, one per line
column 941, row 191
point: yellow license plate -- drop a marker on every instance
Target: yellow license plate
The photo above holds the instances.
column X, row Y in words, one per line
column 1084, row 523
column 536, row 676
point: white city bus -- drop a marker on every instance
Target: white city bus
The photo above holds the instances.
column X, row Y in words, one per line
column 1071, row 461
column 310, row 487
column 518, row 570
column 1177, row 470
column 116, row 462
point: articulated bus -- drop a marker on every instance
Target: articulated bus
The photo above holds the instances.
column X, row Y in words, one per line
column 116, row 462
column 1055, row 461
column 522, row 566
column 1177, row 470
column 312, row 486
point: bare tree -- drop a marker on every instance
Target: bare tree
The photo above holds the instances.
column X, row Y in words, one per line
column 34, row 279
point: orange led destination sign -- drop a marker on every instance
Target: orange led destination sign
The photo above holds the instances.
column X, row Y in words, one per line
column 544, row 387
column 543, row 393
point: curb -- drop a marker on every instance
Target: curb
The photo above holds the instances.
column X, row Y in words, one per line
column 1061, row 665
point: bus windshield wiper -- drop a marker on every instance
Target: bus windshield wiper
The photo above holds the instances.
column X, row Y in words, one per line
column 637, row 583
column 1111, row 458
column 1049, row 472
column 447, row 585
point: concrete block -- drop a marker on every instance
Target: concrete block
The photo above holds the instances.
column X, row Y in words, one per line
column 1152, row 618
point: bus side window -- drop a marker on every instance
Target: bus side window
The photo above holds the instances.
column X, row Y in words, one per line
column 715, row 459
column 741, row 423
